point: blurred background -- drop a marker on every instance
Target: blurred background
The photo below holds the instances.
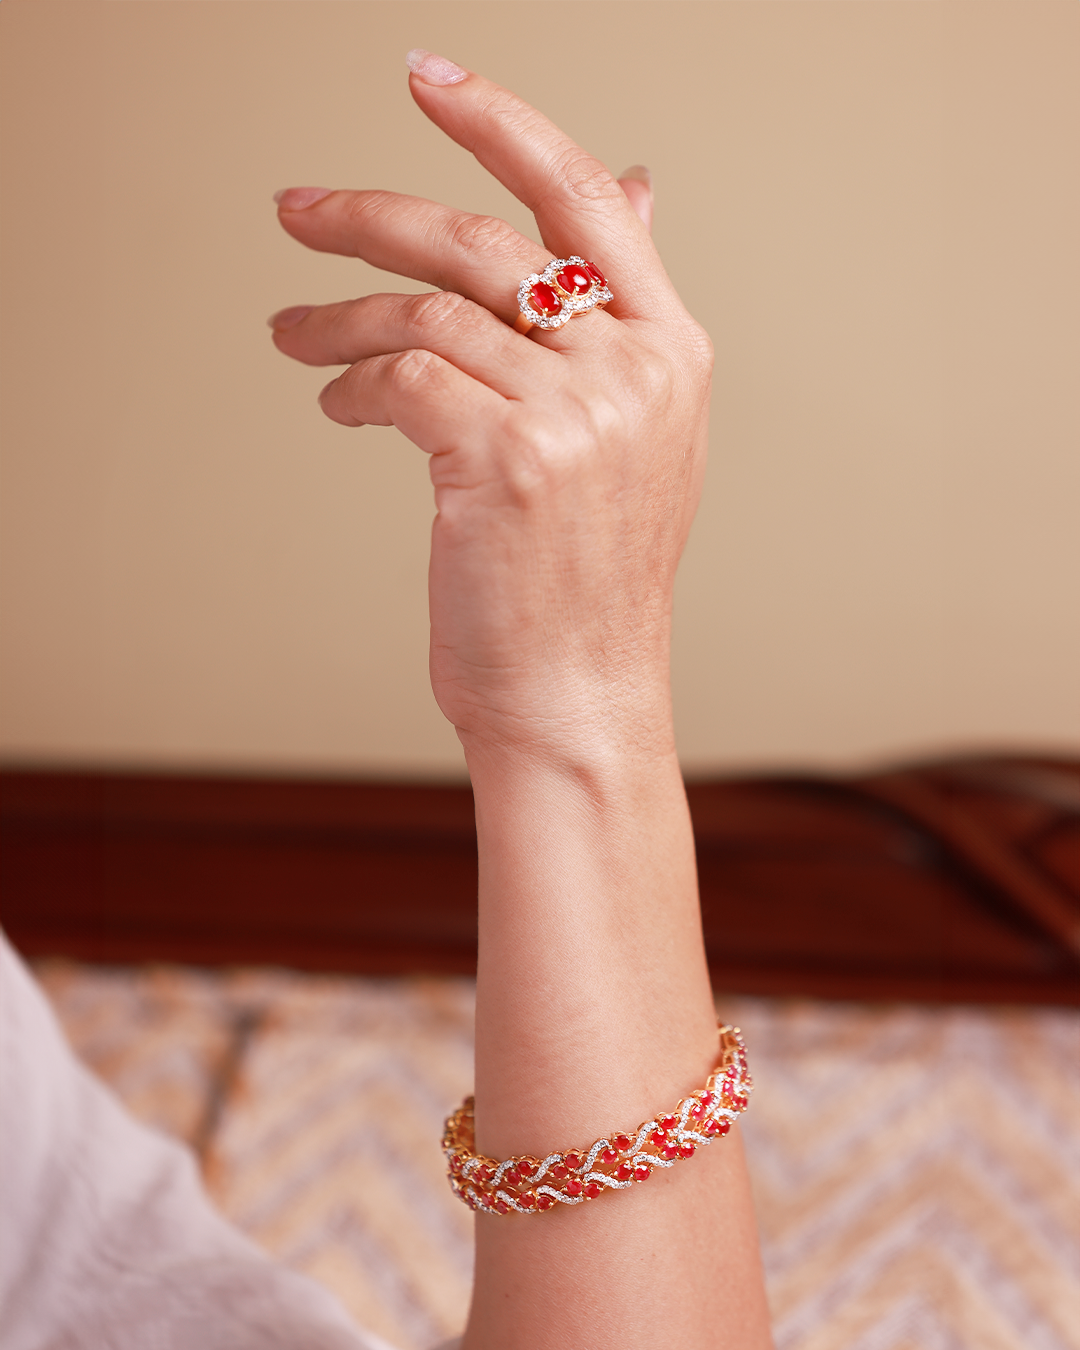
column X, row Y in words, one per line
column 872, row 207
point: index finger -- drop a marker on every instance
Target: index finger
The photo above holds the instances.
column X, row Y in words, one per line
column 578, row 205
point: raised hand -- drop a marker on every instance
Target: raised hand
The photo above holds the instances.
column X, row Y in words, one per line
column 566, row 464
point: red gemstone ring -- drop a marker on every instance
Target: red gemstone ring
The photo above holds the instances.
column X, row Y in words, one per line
column 566, row 287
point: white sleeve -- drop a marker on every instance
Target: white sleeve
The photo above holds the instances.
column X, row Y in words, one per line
column 107, row 1238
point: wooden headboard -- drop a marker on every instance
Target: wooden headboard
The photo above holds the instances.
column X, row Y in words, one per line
column 951, row 880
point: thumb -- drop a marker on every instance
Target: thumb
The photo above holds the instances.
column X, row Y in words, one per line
column 636, row 182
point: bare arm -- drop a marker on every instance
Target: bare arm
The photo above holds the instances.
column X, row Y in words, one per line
column 567, row 467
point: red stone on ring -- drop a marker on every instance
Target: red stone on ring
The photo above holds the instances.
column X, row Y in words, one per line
column 575, row 280
column 592, row 1190
column 596, row 274
column 544, row 300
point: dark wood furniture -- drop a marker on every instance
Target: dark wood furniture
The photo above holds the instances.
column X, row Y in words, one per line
column 957, row 880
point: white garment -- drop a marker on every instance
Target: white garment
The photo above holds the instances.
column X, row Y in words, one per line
column 107, row 1238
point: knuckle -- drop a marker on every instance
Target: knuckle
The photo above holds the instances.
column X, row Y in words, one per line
column 410, row 368
column 653, row 379
column 583, row 176
column 536, row 459
column 438, row 309
column 485, row 236
column 366, row 207
column 599, row 418
column 544, row 455
column 700, row 348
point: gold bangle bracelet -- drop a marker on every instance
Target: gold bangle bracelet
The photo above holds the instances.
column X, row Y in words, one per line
column 528, row 1185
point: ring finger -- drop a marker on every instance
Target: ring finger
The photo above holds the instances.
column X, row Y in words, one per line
column 480, row 257
column 443, row 322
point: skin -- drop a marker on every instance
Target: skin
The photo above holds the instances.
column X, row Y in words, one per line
column 567, row 467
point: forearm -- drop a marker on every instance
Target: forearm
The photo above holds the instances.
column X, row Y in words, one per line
column 594, row 1012
column 592, row 989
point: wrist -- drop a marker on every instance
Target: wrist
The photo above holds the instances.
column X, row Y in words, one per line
column 553, row 696
column 600, row 735
column 605, row 771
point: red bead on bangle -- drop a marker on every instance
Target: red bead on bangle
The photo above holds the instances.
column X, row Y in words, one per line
column 528, row 1185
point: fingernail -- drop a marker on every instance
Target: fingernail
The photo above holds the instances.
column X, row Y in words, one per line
column 289, row 318
column 296, row 199
column 640, row 174
column 434, row 69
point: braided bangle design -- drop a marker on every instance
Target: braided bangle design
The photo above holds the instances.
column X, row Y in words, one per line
column 527, row 1185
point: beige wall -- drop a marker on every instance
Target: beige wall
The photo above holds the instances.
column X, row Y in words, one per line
column 872, row 206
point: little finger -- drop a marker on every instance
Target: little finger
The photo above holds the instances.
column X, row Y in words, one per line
column 429, row 400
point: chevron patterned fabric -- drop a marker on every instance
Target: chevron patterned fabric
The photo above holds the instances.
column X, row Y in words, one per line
column 917, row 1170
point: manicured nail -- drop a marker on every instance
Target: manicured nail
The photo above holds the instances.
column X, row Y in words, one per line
column 296, row 199
column 434, row 69
column 640, row 174
column 289, row 318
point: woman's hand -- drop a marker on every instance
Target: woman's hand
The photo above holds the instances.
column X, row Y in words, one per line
column 567, row 464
